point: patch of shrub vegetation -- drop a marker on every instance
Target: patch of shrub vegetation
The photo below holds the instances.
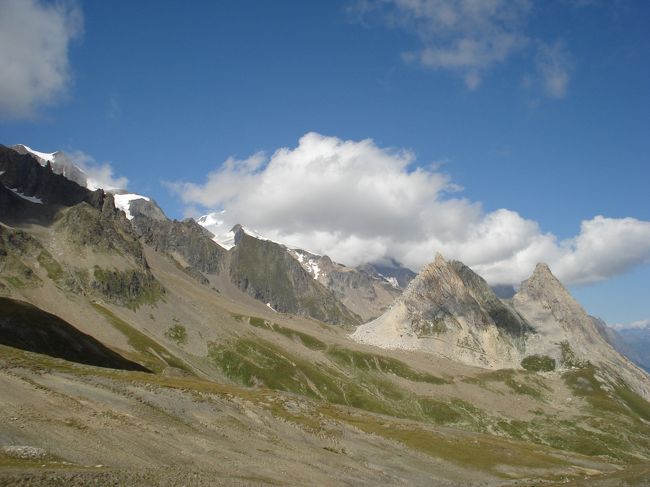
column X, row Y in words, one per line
column 569, row 359
column 308, row 341
column 538, row 363
column 178, row 334
column 131, row 288
column 370, row 362
column 51, row 266
column 256, row 362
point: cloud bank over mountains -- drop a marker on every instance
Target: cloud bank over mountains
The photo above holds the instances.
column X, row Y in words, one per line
column 358, row 202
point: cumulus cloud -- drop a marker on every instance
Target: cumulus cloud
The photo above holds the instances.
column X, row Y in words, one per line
column 358, row 202
column 468, row 37
column 34, row 42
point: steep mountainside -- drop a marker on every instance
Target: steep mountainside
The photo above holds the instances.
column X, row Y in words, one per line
column 364, row 292
column 186, row 241
column 242, row 393
column 266, row 271
column 449, row 310
column 566, row 333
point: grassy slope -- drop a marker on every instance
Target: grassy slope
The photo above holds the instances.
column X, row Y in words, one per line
column 311, row 360
column 335, row 430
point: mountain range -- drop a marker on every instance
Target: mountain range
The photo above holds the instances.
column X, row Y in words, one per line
column 130, row 341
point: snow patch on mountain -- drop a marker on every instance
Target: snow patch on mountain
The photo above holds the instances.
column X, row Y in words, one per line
column 43, row 157
column 222, row 232
column 33, row 199
column 391, row 280
column 312, row 267
column 308, row 261
column 123, row 202
column 217, row 224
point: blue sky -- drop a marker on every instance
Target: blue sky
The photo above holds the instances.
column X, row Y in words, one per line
column 541, row 108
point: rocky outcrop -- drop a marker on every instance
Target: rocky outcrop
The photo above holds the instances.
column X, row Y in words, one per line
column 102, row 230
column 186, row 240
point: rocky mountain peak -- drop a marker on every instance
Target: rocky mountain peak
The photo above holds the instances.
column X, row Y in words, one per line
column 450, row 310
column 543, row 274
column 543, row 286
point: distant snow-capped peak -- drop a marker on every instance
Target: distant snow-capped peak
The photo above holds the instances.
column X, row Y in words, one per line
column 215, row 223
column 224, row 233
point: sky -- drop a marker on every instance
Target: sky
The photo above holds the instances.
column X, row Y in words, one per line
column 500, row 133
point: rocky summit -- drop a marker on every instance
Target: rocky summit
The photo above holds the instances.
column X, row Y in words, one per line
column 451, row 311
column 140, row 350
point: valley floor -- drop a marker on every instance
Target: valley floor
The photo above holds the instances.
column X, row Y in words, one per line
column 94, row 426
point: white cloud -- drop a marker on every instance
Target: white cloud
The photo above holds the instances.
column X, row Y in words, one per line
column 466, row 36
column 554, row 68
column 358, row 202
column 469, row 37
column 99, row 175
column 634, row 325
column 34, row 41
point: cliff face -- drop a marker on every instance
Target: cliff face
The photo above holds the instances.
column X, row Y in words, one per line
column 186, row 241
column 266, row 271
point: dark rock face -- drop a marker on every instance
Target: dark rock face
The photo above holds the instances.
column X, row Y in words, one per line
column 105, row 230
column 29, row 328
column 187, row 238
column 266, row 271
column 131, row 288
column 61, row 164
column 9, row 202
column 24, row 174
